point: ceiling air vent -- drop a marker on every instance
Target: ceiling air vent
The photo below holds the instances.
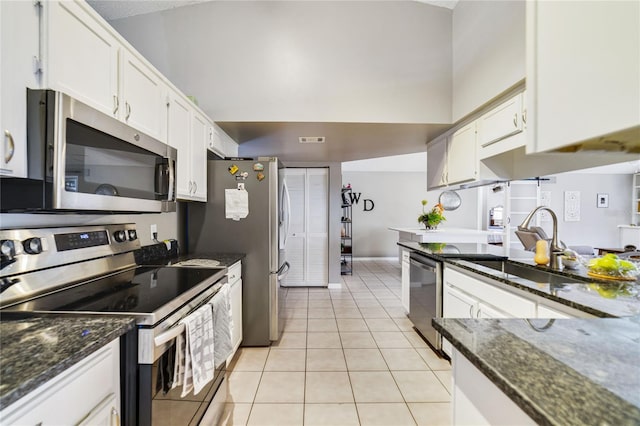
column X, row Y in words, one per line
column 311, row 139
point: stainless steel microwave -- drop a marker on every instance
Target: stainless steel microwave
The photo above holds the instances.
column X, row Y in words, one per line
column 80, row 159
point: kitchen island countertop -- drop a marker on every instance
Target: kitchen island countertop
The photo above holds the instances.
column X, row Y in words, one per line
column 559, row 372
column 595, row 297
column 35, row 349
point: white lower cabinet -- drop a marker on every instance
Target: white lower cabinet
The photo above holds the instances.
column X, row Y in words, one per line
column 235, row 281
column 475, row 398
column 406, row 267
column 88, row 393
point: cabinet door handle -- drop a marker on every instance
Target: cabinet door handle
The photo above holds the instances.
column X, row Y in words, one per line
column 515, row 119
column 116, row 104
column 10, row 147
column 115, row 417
column 128, row 110
column 190, row 187
column 470, row 311
column 524, row 116
column 195, row 187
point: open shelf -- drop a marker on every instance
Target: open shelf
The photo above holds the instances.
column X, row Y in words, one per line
column 346, row 234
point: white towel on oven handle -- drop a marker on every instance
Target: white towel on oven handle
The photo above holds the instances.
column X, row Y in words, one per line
column 222, row 325
column 195, row 352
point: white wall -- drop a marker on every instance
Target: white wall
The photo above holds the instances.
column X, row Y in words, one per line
column 318, row 61
column 488, row 51
column 597, row 226
column 397, row 196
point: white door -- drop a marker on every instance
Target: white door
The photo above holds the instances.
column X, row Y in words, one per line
column 307, row 240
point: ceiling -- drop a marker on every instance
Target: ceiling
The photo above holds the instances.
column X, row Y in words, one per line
column 344, row 141
column 117, row 9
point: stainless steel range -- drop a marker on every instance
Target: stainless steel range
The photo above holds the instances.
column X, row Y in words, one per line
column 91, row 270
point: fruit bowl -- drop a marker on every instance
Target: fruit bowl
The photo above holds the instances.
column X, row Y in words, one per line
column 610, row 266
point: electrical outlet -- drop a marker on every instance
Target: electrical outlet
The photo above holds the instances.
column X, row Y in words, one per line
column 154, row 230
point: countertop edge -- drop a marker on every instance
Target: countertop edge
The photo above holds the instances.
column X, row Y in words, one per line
column 525, row 404
column 34, row 383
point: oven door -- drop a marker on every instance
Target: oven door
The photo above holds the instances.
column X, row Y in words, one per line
column 158, row 402
column 425, row 296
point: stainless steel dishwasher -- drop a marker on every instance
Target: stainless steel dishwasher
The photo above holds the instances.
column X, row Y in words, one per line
column 425, row 296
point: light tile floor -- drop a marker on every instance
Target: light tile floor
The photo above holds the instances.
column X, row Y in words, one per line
column 346, row 356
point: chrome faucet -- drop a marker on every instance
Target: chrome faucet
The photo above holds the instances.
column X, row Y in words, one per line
column 556, row 249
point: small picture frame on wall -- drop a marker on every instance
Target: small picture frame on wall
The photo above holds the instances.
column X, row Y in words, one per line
column 603, row 201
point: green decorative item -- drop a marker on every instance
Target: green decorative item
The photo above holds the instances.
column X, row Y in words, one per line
column 433, row 217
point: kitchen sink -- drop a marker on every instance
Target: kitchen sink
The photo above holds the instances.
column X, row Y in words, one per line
column 527, row 272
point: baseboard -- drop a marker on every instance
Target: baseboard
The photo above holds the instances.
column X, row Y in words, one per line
column 334, row 286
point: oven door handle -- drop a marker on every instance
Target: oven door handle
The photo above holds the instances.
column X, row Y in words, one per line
column 169, row 335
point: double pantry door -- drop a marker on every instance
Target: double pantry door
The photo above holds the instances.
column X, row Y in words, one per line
column 307, row 242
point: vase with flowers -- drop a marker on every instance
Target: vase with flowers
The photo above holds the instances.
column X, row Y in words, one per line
column 433, row 217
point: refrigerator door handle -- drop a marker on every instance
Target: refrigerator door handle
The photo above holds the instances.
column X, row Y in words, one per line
column 286, row 211
column 283, row 270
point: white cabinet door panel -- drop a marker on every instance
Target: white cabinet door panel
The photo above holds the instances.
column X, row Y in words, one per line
column 82, row 57
column 198, row 156
column 462, row 157
column 437, row 163
column 18, row 46
column 503, row 121
column 582, row 76
column 144, row 96
column 456, row 304
column 179, row 132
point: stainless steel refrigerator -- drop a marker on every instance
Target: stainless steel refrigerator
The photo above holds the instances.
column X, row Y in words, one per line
column 260, row 235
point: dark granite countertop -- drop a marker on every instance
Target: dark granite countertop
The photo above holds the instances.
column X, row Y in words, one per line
column 601, row 298
column 574, row 372
column 34, row 349
column 225, row 259
column 169, row 254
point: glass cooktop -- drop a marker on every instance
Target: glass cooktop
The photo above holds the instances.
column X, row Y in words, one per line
column 142, row 290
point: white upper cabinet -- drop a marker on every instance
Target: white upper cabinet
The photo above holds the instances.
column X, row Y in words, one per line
column 501, row 122
column 462, row 158
column 200, row 130
column 188, row 132
column 179, row 137
column 221, row 143
column 144, row 95
column 19, row 46
column 82, row 56
column 583, row 68
column 87, row 60
column 437, row 163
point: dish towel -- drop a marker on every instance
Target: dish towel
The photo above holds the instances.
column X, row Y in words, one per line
column 236, row 203
column 222, row 324
column 194, row 366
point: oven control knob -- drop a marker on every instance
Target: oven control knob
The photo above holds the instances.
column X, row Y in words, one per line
column 133, row 235
column 120, row 236
column 8, row 249
column 32, row 245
